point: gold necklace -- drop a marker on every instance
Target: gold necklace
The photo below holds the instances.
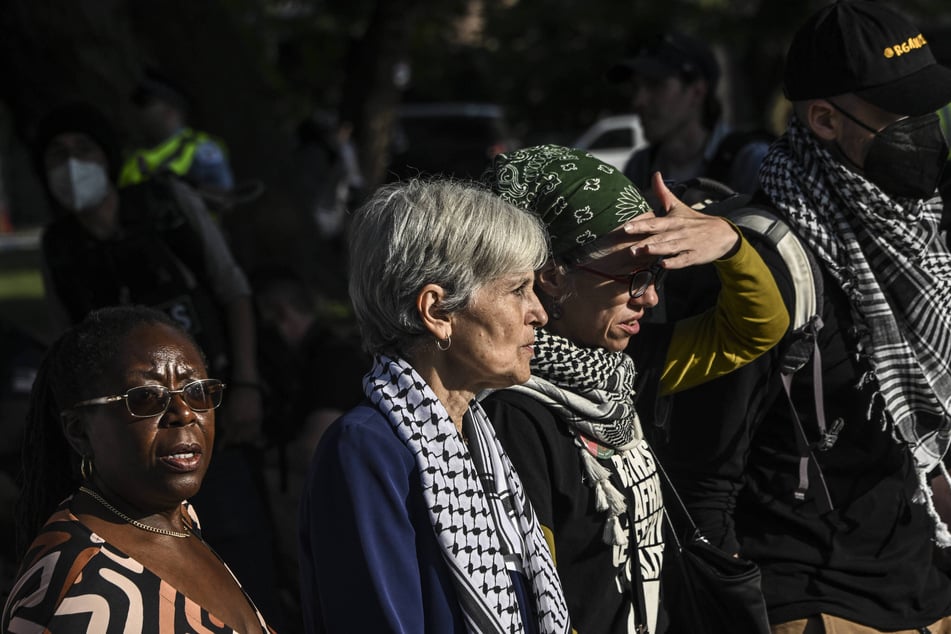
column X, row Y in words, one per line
column 136, row 523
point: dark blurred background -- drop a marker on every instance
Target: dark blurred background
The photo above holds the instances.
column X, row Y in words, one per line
column 255, row 69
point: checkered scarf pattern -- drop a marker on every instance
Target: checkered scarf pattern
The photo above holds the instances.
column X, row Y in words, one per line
column 593, row 391
column 591, row 388
column 896, row 272
column 481, row 517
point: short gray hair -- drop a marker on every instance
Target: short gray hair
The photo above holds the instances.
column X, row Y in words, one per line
column 455, row 234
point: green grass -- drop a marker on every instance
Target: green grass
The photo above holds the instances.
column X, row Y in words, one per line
column 21, row 293
column 21, row 284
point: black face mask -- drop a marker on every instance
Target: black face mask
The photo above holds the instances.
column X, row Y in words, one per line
column 906, row 158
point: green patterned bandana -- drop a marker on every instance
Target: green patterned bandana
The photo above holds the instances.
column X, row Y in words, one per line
column 578, row 197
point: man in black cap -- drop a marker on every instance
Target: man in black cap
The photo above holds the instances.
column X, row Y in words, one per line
column 675, row 83
column 843, row 478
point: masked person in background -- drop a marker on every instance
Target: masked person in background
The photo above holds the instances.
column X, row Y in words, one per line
column 153, row 244
column 837, row 488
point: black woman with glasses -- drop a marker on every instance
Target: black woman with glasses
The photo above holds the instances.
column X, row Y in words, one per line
column 119, row 438
column 572, row 430
column 155, row 244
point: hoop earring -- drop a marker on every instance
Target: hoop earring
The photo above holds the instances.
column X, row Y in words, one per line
column 448, row 341
column 85, row 468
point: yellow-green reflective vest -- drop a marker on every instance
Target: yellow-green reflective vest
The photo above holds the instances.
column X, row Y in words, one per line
column 176, row 155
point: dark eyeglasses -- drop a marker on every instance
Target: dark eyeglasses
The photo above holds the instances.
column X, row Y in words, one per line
column 151, row 400
column 638, row 280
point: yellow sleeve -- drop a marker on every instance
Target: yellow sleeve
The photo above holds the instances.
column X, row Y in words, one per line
column 749, row 319
column 550, row 540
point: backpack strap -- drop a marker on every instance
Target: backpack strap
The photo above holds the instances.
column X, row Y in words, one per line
column 754, row 215
column 804, row 270
column 804, row 342
column 806, row 455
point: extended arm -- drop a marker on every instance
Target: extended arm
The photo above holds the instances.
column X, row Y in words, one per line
column 749, row 317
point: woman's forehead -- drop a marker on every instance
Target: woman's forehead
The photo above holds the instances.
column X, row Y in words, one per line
column 619, row 239
column 156, row 342
column 621, row 257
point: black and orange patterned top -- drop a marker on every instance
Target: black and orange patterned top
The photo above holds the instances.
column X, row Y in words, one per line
column 72, row 580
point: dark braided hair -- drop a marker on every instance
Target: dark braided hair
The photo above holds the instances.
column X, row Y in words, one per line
column 72, row 370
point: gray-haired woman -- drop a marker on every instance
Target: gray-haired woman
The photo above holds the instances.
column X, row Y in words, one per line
column 412, row 518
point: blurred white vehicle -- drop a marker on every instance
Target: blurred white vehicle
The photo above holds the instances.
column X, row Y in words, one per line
column 613, row 139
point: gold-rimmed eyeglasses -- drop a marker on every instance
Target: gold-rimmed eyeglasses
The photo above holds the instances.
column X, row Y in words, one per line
column 151, row 400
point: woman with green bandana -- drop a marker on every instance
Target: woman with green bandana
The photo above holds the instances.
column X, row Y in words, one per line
column 572, row 430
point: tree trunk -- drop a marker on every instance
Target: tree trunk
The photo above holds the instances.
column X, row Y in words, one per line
column 371, row 92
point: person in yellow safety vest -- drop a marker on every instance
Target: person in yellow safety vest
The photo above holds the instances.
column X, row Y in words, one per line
column 197, row 157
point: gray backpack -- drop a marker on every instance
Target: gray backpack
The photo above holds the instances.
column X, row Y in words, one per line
column 801, row 343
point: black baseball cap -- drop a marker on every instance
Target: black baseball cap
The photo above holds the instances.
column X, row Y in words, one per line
column 868, row 49
column 156, row 86
column 674, row 53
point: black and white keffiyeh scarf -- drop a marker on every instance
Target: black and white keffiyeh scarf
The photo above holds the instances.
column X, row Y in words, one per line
column 896, row 272
column 482, row 520
column 592, row 390
column 599, row 399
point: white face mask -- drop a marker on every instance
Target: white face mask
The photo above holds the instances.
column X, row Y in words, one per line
column 78, row 185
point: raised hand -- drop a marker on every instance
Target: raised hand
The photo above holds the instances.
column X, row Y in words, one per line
column 684, row 236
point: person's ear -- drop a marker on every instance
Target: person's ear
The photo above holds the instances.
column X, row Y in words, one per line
column 429, row 304
column 74, row 428
column 552, row 280
column 823, row 119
